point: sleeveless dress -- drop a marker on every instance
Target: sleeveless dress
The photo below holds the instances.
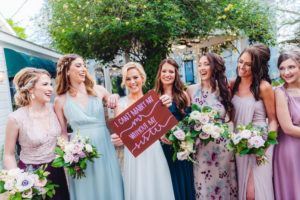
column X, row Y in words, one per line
column 146, row 177
column 37, row 147
column 103, row 179
column 181, row 171
column 247, row 110
column 286, row 156
column 215, row 172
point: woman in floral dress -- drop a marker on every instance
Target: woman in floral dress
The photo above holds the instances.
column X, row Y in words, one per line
column 214, row 170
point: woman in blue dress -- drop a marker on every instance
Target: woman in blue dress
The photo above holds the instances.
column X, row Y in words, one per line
column 168, row 83
column 79, row 103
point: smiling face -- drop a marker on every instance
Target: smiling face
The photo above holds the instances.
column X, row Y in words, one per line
column 167, row 74
column 77, row 71
column 244, row 65
column 289, row 71
column 43, row 89
column 134, row 81
column 204, row 69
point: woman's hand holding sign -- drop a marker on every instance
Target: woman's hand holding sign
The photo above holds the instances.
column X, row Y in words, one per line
column 116, row 140
column 166, row 100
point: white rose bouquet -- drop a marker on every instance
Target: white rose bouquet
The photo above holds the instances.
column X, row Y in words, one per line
column 74, row 155
column 21, row 185
column 252, row 140
column 205, row 122
column 202, row 123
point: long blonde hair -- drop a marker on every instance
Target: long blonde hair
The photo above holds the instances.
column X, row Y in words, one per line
column 63, row 84
column 24, row 81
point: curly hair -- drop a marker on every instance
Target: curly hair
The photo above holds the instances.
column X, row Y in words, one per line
column 178, row 87
column 24, row 81
column 218, row 68
column 63, row 84
column 257, row 70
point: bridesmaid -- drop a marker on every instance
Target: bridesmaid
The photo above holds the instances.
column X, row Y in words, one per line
column 79, row 102
column 168, row 82
column 254, row 103
column 286, row 153
column 215, row 172
column 146, row 177
column 35, row 127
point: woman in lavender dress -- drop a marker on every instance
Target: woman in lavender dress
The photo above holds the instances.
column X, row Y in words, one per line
column 254, row 103
column 286, row 153
column 215, row 172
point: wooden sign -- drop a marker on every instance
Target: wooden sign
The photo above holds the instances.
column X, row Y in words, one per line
column 143, row 123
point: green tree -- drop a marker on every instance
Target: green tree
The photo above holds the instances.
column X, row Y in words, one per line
column 20, row 31
column 145, row 30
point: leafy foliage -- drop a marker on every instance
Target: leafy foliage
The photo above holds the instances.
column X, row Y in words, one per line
column 20, row 31
column 144, row 30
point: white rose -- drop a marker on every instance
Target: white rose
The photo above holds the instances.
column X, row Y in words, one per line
column 195, row 115
column 88, row 148
column 256, row 142
column 236, row 138
column 216, row 132
column 208, row 128
column 183, row 155
column 203, row 119
column 187, row 146
column 69, row 147
column 245, row 134
column 179, row 134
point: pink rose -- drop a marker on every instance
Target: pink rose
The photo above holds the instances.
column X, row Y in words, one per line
column 179, row 134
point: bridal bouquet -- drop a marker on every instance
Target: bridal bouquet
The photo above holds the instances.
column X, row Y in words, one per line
column 252, row 140
column 74, row 155
column 202, row 123
column 21, row 185
column 205, row 121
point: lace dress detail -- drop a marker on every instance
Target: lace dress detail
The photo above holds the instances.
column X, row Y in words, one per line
column 37, row 143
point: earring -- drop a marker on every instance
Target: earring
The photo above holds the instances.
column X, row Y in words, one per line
column 32, row 96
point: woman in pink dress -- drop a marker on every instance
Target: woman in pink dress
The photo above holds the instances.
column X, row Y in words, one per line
column 35, row 127
column 286, row 153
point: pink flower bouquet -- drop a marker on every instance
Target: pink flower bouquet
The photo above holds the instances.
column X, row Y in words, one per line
column 252, row 140
column 74, row 155
column 201, row 124
column 21, row 185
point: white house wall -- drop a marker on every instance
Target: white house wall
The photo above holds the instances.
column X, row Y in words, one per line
column 5, row 100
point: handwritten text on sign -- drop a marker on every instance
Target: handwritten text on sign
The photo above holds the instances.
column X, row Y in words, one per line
column 143, row 123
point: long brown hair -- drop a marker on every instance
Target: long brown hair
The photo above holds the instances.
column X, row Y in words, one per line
column 257, row 70
column 63, row 84
column 178, row 88
column 217, row 66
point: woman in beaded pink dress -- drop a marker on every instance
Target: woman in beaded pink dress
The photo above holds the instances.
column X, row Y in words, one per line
column 286, row 153
column 214, row 172
column 253, row 101
column 35, row 127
